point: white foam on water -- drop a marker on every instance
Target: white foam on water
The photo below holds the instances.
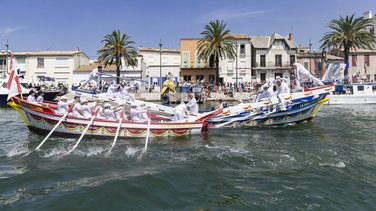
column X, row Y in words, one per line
column 291, row 158
column 17, row 150
column 338, row 165
column 54, row 152
column 93, row 151
column 131, row 151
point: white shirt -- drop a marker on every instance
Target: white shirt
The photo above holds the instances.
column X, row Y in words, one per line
column 108, row 114
column 95, row 73
column 265, row 95
column 193, row 107
column 179, row 112
column 62, row 107
column 76, row 111
column 137, row 115
column 40, row 98
column 31, row 99
column 283, row 88
column 86, row 110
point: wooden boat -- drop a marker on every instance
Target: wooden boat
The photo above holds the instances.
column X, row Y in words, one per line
column 302, row 106
column 42, row 119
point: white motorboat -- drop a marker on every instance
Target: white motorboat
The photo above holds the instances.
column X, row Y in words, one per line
column 353, row 94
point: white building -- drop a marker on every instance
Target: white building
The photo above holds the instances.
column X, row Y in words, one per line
column 126, row 72
column 54, row 64
column 241, row 66
column 272, row 56
column 159, row 64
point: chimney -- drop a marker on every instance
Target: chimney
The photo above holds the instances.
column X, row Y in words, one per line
column 290, row 36
column 368, row 14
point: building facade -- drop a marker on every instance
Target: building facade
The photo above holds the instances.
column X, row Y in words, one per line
column 160, row 62
column 238, row 69
column 138, row 72
column 312, row 61
column 272, row 56
column 54, row 64
column 192, row 69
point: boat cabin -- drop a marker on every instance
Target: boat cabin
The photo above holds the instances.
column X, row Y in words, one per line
column 354, row 89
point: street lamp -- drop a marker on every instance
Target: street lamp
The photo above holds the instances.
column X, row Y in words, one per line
column 236, row 66
column 160, row 63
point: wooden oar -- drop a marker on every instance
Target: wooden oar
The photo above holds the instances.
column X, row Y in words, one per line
column 83, row 133
column 117, row 132
column 147, row 134
column 57, row 124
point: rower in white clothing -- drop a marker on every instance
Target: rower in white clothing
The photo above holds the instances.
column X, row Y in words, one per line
column 192, row 104
column 62, row 105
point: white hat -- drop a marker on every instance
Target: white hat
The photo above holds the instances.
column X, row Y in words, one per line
column 106, row 105
column 84, row 101
column 265, row 86
column 63, row 98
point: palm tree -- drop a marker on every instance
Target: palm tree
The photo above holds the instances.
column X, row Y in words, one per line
column 117, row 46
column 216, row 42
column 349, row 33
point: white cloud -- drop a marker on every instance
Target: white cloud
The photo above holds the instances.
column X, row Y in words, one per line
column 8, row 30
column 232, row 13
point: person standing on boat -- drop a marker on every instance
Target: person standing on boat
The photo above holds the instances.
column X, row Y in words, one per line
column 180, row 112
column 301, row 72
column 94, row 75
column 192, row 104
column 31, row 97
column 282, row 90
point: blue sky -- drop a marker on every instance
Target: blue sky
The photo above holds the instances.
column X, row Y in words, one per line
column 31, row 25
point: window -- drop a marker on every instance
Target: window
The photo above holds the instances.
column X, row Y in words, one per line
column 199, row 77
column 306, row 65
column 366, row 60
column 211, row 62
column 62, row 62
column 262, row 61
column 40, row 62
column 185, row 59
column 360, row 88
column 197, row 62
column 278, row 60
column 319, row 66
column 230, row 66
column 278, row 74
column 292, row 59
column 242, row 66
column 353, row 60
column 211, row 78
column 242, row 49
column 187, row 78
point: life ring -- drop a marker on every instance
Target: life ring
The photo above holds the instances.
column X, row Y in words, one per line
column 165, row 99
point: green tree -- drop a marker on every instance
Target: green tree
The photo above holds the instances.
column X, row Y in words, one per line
column 349, row 33
column 117, row 46
column 216, row 42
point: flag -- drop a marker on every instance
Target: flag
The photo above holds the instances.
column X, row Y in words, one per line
column 13, row 85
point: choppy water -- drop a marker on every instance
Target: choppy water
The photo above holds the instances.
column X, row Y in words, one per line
column 326, row 164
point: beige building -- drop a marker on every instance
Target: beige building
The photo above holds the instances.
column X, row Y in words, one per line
column 191, row 68
column 272, row 56
column 240, row 68
column 54, row 64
